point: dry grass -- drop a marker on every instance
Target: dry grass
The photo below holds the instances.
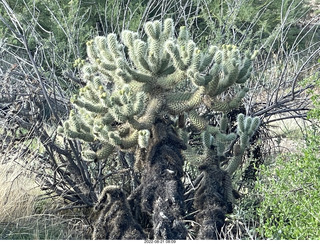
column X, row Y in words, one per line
column 289, row 134
column 18, row 193
column 23, row 216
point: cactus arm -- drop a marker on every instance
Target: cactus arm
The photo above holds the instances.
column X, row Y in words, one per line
column 226, row 106
column 246, row 129
column 236, row 160
column 104, row 152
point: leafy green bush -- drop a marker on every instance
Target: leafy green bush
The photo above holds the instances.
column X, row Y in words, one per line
column 314, row 95
column 291, row 194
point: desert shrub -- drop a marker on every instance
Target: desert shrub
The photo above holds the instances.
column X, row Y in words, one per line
column 314, row 113
column 290, row 195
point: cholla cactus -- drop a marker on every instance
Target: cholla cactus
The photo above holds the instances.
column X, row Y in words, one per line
column 131, row 84
column 215, row 195
column 144, row 75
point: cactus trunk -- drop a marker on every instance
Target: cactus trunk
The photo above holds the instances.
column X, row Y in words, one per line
column 160, row 193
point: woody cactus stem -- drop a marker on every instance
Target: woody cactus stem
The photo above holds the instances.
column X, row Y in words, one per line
column 160, row 194
column 212, row 198
column 112, row 211
column 143, row 75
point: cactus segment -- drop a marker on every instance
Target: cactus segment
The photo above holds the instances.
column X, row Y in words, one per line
column 199, row 122
column 104, row 152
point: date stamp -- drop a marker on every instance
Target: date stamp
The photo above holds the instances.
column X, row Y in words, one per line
column 159, row 241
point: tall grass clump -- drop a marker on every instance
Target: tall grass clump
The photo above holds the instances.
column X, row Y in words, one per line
column 18, row 193
column 27, row 214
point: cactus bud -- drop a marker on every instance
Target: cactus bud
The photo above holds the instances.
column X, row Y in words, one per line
column 143, row 138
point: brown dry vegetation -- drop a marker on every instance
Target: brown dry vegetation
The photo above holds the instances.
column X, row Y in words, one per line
column 18, row 193
column 25, row 211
